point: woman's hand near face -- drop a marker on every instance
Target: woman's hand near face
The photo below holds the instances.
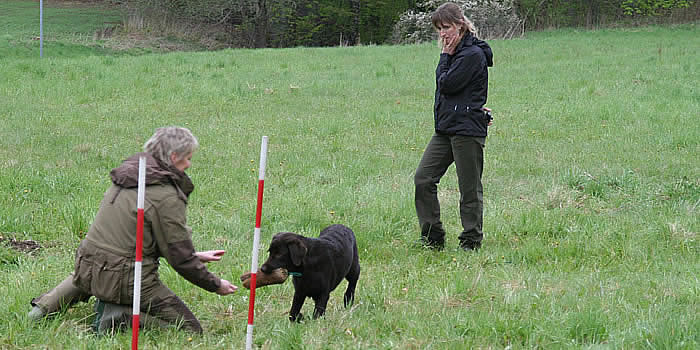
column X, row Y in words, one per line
column 451, row 36
column 449, row 45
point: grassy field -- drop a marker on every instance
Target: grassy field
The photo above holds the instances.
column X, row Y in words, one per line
column 75, row 29
column 591, row 181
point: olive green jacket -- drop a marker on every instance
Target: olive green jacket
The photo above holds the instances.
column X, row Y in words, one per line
column 111, row 240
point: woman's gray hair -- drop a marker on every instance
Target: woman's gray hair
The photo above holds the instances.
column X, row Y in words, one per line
column 171, row 139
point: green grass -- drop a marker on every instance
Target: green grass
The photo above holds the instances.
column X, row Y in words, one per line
column 68, row 29
column 591, row 188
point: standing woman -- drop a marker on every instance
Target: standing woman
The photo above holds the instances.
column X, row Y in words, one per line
column 461, row 123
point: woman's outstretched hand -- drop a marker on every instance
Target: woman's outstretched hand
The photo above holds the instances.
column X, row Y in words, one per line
column 210, row 255
column 226, row 288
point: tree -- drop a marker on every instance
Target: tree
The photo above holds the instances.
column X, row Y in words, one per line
column 261, row 23
column 653, row 7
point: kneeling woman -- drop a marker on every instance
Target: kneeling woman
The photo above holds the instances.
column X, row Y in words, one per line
column 104, row 262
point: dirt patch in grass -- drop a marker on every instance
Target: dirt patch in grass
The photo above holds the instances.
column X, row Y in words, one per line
column 25, row 246
column 79, row 3
column 135, row 40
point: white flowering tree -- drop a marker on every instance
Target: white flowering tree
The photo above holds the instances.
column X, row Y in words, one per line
column 494, row 19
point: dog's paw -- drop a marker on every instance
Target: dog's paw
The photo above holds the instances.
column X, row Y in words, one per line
column 298, row 319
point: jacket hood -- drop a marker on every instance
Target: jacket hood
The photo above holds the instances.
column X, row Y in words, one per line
column 157, row 172
column 472, row 40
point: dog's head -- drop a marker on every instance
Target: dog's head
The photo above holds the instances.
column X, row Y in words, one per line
column 287, row 250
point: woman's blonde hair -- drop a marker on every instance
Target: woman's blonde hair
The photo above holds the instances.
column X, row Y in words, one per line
column 451, row 13
column 171, row 139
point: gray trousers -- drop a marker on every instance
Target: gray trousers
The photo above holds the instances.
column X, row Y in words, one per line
column 467, row 153
column 157, row 300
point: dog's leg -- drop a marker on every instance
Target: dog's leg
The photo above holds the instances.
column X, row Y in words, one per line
column 321, row 302
column 297, row 303
column 352, row 278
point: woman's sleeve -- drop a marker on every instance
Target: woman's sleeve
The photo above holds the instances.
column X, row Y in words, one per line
column 174, row 239
column 453, row 77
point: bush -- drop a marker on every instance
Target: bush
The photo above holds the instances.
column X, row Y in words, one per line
column 494, row 19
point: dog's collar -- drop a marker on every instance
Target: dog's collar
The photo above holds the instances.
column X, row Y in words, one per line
column 295, row 274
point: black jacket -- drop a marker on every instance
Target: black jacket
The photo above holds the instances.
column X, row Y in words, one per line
column 461, row 88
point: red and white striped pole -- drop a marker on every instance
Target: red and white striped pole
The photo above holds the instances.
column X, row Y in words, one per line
column 136, row 311
column 256, row 243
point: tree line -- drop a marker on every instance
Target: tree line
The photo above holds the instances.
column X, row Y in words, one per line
column 290, row 23
column 277, row 23
column 548, row 14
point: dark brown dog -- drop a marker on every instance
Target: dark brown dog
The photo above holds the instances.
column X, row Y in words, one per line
column 317, row 264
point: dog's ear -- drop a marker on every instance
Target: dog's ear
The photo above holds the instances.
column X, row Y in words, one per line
column 280, row 240
column 297, row 251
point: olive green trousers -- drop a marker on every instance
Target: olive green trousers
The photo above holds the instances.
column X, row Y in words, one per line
column 157, row 300
column 467, row 153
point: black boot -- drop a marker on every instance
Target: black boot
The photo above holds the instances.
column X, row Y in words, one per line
column 433, row 236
